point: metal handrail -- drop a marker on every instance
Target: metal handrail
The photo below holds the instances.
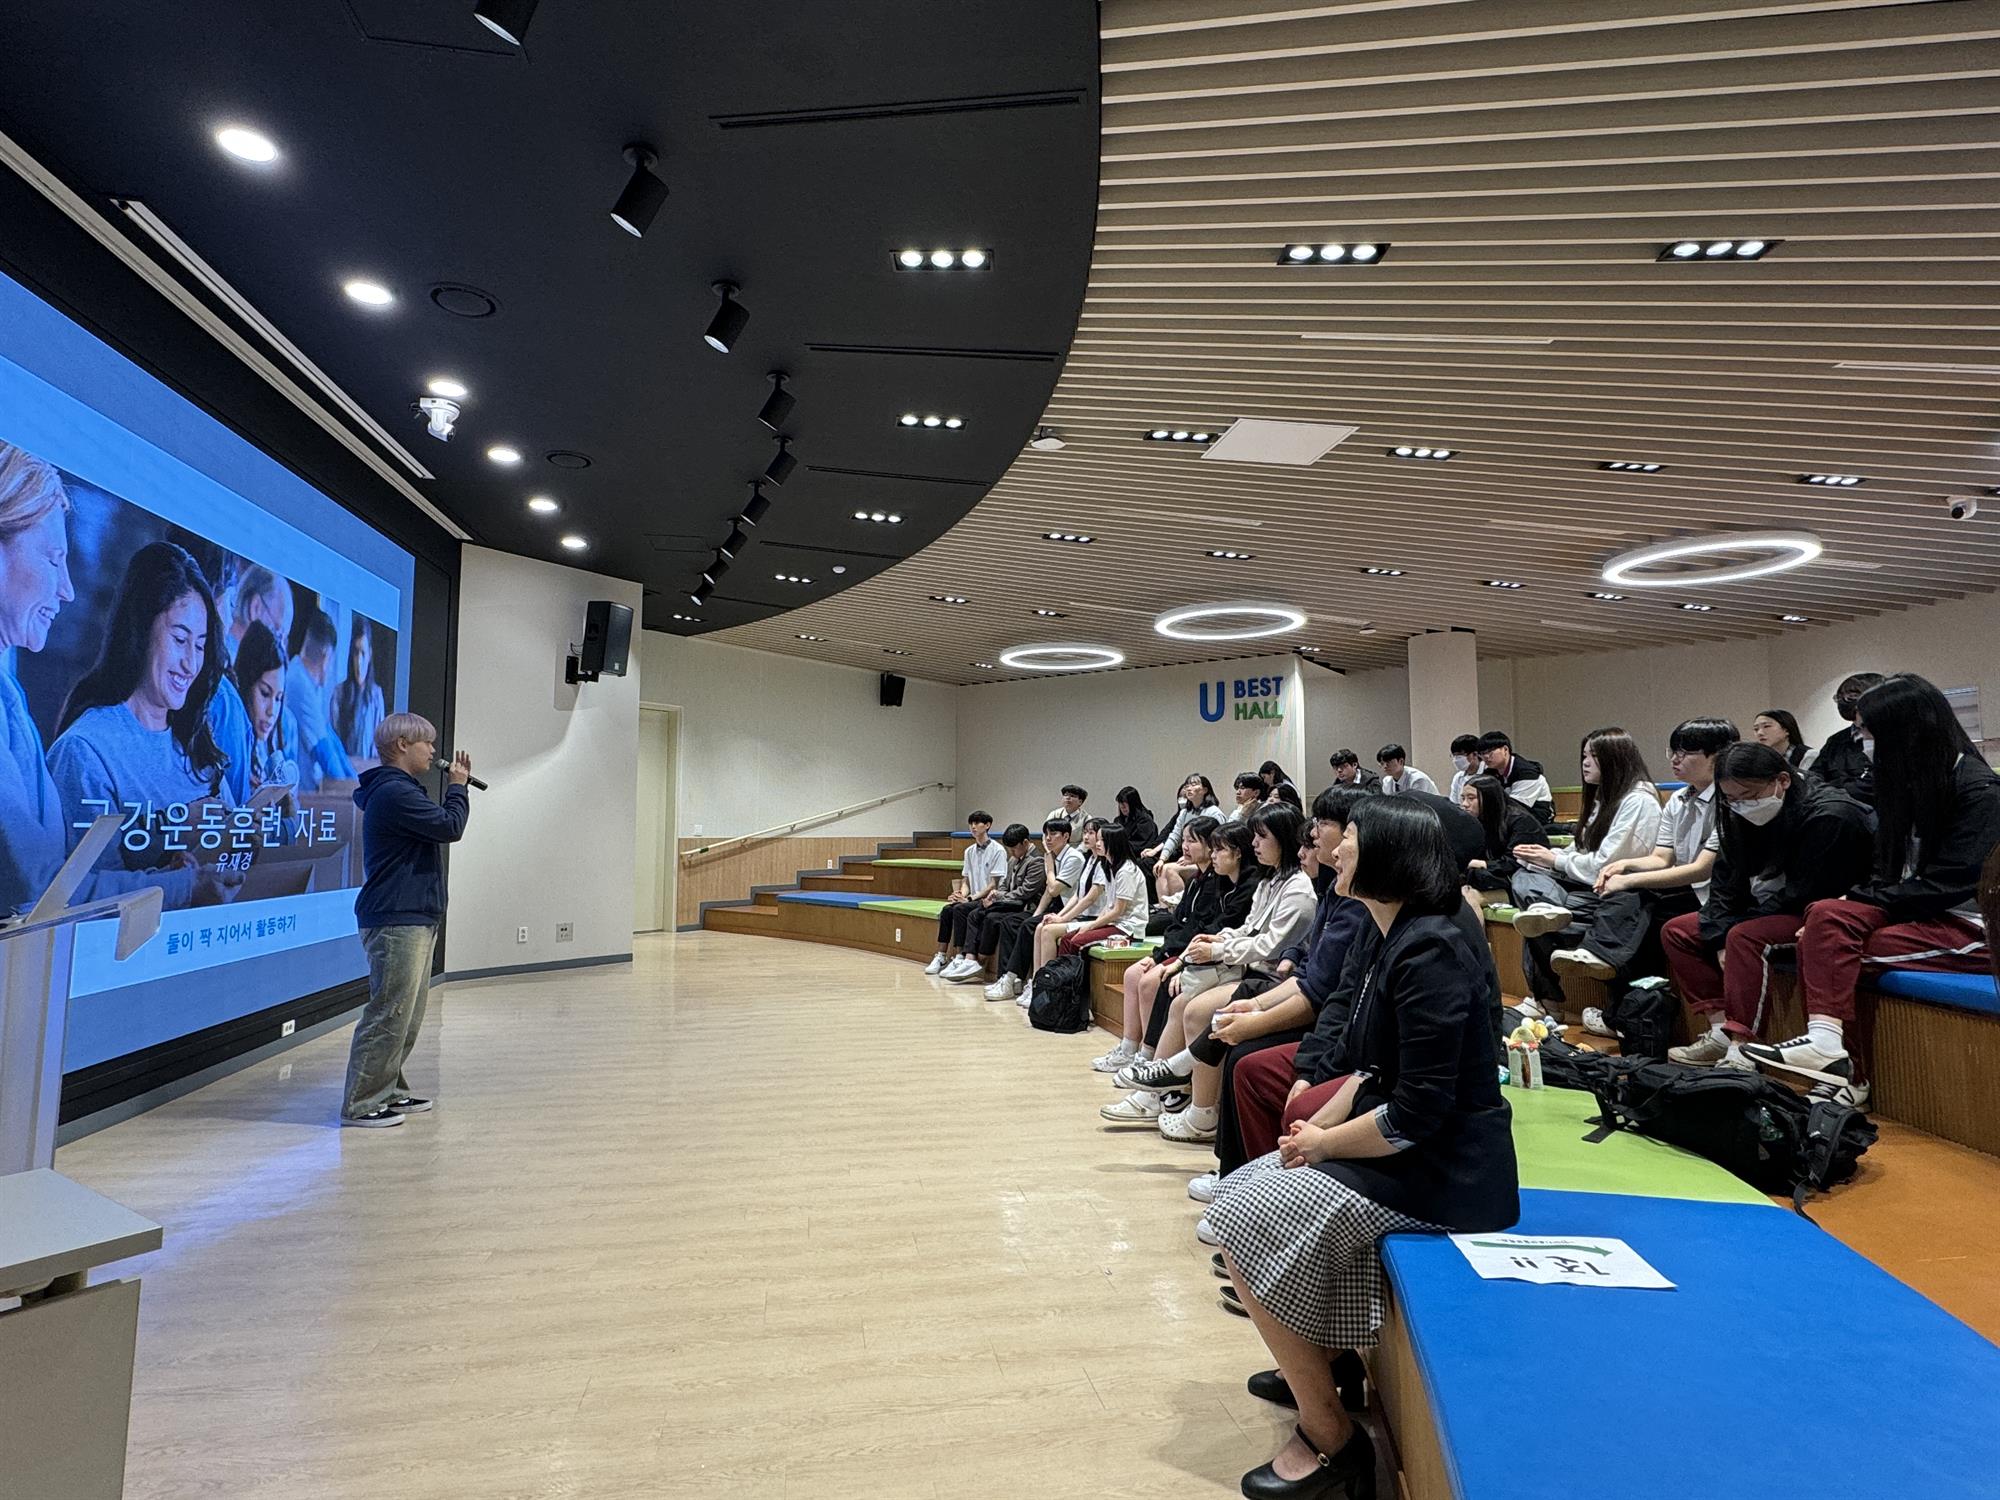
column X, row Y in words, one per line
column 781, row 829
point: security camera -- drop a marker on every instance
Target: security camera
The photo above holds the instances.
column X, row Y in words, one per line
column 440, row 416
column 1961, row 507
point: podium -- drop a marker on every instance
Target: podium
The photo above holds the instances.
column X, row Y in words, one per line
column 67, row 1346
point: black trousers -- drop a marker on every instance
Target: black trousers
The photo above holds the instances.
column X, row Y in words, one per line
column 1622, row 929
column 980, row 928
column 1230, row 1152
column 952, row 920
column 1014, row 941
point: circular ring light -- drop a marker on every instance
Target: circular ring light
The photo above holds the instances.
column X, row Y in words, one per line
column 1277, row 619
column 1061, row 656
column 1785, row 550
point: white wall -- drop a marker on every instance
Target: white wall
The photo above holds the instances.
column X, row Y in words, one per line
column 1559, row 698
column 1018, row 742
column 1362, row 712
column 551, row 841
column 765, row 739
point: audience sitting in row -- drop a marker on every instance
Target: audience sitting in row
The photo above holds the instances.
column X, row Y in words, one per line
column 1843, row 760
column 1142, row 830
column 1011, row 935
column 1466, row 763
column 1349, row 772
column 1209, row 901
column 1071, row 811
column 1020, row 886
column 1776, row 729
column 1503, row 824
column 1522, row 778
column 1164, row 861
column 1398, row 775
column 980, row 872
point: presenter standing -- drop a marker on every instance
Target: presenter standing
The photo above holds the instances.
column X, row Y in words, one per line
column 402, row 898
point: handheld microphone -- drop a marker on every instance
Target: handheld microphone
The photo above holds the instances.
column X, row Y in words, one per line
column 443, row 763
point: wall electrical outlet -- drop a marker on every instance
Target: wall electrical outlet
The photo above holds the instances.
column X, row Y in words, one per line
column 899, row 934
column 829, row 864
column 565, row 932
column 520, row 934
column 288, row 1028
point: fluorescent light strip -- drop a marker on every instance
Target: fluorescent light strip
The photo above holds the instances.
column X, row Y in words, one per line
column 1425, row 338
column 1936, row 369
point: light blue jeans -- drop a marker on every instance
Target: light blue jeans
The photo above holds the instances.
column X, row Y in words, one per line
column 399, row 983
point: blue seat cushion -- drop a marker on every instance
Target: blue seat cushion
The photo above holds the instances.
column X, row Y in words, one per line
column 828, row 898
column 1878, row 1397
column 1966, row 991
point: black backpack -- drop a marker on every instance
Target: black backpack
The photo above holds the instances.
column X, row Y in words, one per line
column 1062, row 994
column 1775, row 1139
column 1643, row 1017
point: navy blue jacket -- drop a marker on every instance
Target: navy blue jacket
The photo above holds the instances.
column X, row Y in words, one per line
column 403, row 834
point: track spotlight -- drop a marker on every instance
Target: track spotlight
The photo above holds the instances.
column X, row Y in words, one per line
column 720, row 566
column 701, row 591
column 782, row 462
column 727, row 326
column 756, row 507
column 778, row 405
column 735, row 542
column 506, row 19
column 644, row 196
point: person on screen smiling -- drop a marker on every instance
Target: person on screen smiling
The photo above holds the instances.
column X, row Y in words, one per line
column 34, row 586
column 135, row 733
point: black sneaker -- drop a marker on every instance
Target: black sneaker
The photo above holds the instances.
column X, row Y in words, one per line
column 1174, row 1101
column 410, row 1104
column 1158, row 1077
column 375, row 1119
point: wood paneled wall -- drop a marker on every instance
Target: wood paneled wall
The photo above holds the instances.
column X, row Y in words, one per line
column 731, row 874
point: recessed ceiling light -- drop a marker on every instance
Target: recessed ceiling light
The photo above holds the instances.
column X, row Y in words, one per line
column 543, row 505
column 973, row 258
column 1383, row 572
column 879, row 517
column 1608, row 598
column 1306, row 650
column 1626, row 466
column 1700, row 609
column 574, row 543
column 812, row 637
column 896, row 651
column 949, row 599
column 500, row 453
column 1066, row 536
column 984, row 666
column 691, row 619
column 1178, row 435
column 1052, row 614
column 1231, row 556
column 837, row 568
column 1844, row 481
column 931, row 420
column 943, row 260
column 369, row 293
column 247, row 145
column 1504, row 583
column 1366, row 630
column 1794, row 619
column 1717, row 250
column 445, row 386
column 1406, row 450
column 1334, row 253
column 790, row 578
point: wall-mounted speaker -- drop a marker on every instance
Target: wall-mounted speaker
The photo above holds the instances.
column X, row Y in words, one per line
column 892, row 690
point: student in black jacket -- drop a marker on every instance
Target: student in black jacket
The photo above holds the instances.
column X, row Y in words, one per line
column 1136, row 818
column 1938, row 809
column 1504, row 823
column 1843, row 761
column 1416, row 1136
column 1787, row 840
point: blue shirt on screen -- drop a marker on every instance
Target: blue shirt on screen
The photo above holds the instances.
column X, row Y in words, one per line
column 229, row 723
column 31, row 821
column 403, row 834
column 325, row 757
column 107, row 761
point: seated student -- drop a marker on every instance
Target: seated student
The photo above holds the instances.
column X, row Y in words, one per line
column 1273, row 776
column 1503, row 823
column 1200, row 909
column 1787, row 839
column 1278, row 1017
column 1071, row 811
column 1843, row 759
column 1522, row 778
column 1021, row 886
column 326, row 758
column 1141, row 830
column 1555, row 888
column 1249, row 789
column 981, row 869
column 1776, row 728
column 1636, row 897
column 1465, row 763
column 1414, row 1136
column 1937, row 804
column 1398, row 775
column 1349, row 772
column 1169, row 869
column 1461, row 830
column 1284, row 794
column 1012, row 934
column 1121, row 915
column 1280, row 914
column 1240, row 877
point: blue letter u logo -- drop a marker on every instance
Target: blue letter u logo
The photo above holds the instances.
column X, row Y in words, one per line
column 1212, row 715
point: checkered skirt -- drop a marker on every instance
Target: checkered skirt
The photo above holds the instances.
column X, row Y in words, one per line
column 1306, row 1243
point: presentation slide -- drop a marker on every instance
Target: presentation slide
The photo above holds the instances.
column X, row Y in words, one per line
column 196, row 641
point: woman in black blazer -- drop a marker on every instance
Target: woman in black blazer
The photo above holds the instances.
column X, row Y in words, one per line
column 1417, row 1137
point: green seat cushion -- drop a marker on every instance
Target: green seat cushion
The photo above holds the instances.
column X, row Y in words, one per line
column 923, row 864
column 1561, row 840
column 913, row 906
column 1138, row 949
column 1549, row 1130
column 1501, row 912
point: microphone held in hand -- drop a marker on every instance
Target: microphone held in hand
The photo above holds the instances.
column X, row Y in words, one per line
column 443, row 763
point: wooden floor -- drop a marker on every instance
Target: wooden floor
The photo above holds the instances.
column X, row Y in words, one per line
column 750, row 1217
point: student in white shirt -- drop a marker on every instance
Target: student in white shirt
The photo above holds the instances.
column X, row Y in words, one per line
column 1522, row 777
column 1620, row 820
column 1250, row 791
column 1111, row 903
column 1466, row 763
column 1398, row 775
column 981, row 870
column 1071, row 811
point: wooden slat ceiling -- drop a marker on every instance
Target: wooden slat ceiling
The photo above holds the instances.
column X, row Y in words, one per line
column 1527, row 159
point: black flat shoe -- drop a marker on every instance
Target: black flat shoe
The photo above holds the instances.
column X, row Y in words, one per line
column 1269, row 1385
column 1349, row 1378
column 1346, row 1475
column 1231, row 1302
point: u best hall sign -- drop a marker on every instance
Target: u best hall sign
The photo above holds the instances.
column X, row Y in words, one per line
column 1243, row 698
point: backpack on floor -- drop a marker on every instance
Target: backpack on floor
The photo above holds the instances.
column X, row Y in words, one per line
column 1643, row 1017
column 1775, row 1139
column 1062, row 994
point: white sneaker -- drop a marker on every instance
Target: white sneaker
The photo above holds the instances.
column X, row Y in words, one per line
column 1024, row 998
column 961, row 969
column 1542, row 917
column 1202, row 1188
column 936, row 965
column 1583, row 961
column 1134, row 1108
column 1595, row 1024
column 1705, row 1051
column 1112, row 1061
column 1177, row 1126
column 1205, row 1232
column 1003, row 988
column 1530, row 1009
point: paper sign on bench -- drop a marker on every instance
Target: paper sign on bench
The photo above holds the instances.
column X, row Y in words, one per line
column 1559, row 1260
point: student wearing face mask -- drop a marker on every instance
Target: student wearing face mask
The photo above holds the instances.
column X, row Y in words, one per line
column 1938, row 806
column 1844, row 760
column 1786, row 841
column 1466, row 763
